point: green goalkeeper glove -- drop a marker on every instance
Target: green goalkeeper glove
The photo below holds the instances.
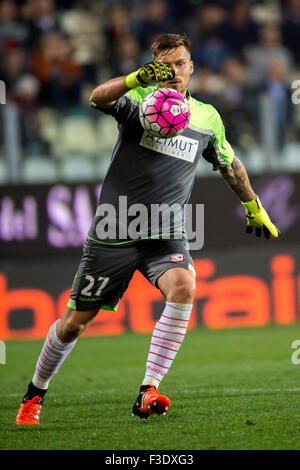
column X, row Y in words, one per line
column 153, row 72
column 258, row 218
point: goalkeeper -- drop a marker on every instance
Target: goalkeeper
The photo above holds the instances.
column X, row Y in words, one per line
column 149, row 175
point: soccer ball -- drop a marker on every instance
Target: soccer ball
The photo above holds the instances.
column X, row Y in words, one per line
column 164, row 113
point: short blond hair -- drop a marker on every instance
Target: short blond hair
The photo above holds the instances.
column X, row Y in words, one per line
column 169, row 41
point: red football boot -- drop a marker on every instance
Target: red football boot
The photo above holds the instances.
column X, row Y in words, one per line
column 150, row 402
column 29, row 412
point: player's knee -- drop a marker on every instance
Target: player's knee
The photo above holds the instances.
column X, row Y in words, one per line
column 74, row 328
column 183, row 291
column 73, row 323
column 70, row 328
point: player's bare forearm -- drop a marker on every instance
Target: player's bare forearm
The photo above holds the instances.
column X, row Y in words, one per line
column 237, row 178
column 106, row 94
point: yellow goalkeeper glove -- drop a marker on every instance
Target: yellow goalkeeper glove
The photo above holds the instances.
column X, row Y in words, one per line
column 258, row 218
column 153, row 72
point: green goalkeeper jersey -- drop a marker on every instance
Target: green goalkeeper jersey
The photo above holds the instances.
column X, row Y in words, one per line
column 150, row 179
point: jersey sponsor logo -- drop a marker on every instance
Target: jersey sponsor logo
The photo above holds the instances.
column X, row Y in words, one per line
column 89, row 299
column 177, row 258
column 180, row 146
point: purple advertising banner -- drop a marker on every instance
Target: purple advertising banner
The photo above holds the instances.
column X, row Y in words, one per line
column 54, row 219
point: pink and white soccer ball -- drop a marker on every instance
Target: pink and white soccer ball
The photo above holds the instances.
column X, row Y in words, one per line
column 164, row 113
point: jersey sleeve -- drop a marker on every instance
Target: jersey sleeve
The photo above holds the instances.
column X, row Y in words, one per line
column 121, row 110
column 219, row 151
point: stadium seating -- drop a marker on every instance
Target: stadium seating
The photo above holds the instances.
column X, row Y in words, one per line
column 76, row 168
column 38, row 169
column 3, row 171
column 76, row 136
column 255, row 160
column 290, row 158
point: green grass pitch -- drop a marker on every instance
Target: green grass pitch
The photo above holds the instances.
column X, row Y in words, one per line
column 232, row 389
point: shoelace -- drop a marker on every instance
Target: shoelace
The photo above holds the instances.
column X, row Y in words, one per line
column 30, row 402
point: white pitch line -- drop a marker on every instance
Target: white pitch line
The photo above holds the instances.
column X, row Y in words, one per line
column 241, row 390
column 63, row 394
column 220, row 391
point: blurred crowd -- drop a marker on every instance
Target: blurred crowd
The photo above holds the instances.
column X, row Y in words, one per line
column 53, row 53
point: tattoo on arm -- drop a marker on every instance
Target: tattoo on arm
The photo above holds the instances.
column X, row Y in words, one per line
column 237, row 178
